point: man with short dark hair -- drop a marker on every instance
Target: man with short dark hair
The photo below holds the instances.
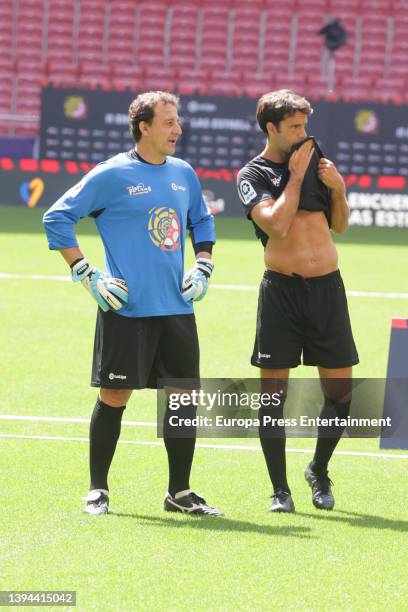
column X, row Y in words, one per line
column 294, row 197
column 143, row 202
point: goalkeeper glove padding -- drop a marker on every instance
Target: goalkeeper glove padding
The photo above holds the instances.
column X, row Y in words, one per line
column 110, row 293
column 195, row 282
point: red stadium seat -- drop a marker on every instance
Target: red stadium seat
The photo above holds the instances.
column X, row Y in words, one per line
column 297, row 83
column 223, row 76
column 191, row 86
column 5, row 129
column 95, row 70
column 182, row 61
column 258, row 87
column 159, row 84
column 398, row 70
column 180, row 50
column 361, row 81
column 150, row 59
column 276, row 60
column 24, row 129
column 224, row 89
column 126, row 70
column 283, row 12
column 122, row 83
column 355, row 93
column 94, row 82
column 63, row 80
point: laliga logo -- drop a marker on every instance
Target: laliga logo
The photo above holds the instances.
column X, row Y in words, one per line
column 164, row 228
column 31, row 192
column 367, row 122
column 75, row 107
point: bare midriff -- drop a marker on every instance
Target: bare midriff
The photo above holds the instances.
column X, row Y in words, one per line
column 307, row 249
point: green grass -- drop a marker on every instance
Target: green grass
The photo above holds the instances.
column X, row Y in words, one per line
column 139, row 558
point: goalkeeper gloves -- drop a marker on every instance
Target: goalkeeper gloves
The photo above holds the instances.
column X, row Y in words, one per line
column 110, row 293
column 195, row 282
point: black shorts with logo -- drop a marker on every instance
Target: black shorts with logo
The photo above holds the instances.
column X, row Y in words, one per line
column 133, row 353
column 308, row 315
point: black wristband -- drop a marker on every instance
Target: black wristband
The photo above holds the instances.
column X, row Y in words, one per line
column 205, row 247
column 75, row 262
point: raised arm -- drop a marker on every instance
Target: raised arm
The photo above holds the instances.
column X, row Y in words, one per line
column 331, row 177
column 275, row 217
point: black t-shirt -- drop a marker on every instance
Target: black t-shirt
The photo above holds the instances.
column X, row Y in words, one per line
column 261, row 179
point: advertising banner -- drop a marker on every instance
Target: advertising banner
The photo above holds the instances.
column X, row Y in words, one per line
column 79, row 128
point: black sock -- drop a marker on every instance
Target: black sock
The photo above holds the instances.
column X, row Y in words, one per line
column 328, row 437
column 180, row 449
column 104, row 433
column 273, row 442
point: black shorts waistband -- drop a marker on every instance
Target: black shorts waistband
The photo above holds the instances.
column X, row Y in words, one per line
column 297, row 278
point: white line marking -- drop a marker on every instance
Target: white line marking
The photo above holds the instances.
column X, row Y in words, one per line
column 363, row 294
column 214, row 446
column 34, row 277
column 13, row 417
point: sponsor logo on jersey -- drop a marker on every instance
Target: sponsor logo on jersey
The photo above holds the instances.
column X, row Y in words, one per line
column 164, row 228
column 276, row 181
column 178, row 187
column 112, row 376
column 247, row 192
column 139, row 189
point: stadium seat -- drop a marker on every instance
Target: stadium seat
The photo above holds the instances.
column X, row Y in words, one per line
column 224, row 89
column 282, row 12
column 275, row 60
column 162, row 84
column 93, row 69
column 297, row 83
column 190, row 81
column 5, row 129
column 123, row 83
column 257, row 86
column 149, row 58
column 126, row 70
column 25, row 129
column 183, row 62
column 355, row 93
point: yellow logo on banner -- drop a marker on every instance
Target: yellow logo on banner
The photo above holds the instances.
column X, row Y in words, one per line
column 31, row 192
column 75, row 107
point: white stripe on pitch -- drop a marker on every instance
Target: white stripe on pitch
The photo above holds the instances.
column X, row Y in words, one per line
column 34, row 277
column 363, row 294
column 227, row 447
column 13, row 417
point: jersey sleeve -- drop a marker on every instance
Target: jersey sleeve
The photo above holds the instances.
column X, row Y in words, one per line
column 200, row 221
column 253, row 188
column 81, row 200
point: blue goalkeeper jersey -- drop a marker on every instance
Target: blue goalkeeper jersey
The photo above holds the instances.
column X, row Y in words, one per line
column 142, row 212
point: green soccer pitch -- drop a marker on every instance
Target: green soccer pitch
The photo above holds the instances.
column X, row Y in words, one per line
column 138, row 557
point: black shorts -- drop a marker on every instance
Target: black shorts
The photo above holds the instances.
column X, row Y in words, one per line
column 308, row 315
column 133, row 353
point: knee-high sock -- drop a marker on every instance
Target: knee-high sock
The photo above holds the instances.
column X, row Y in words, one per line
column 180, row 445
column 328, row 437
column 103, row 436
column 273, row 442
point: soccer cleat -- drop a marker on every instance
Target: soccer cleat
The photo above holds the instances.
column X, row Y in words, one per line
column 97, row 502
column 282, row 502
column 322, row 496
column 190, row 504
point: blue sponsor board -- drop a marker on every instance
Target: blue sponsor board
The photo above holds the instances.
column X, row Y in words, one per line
column 396, row 389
